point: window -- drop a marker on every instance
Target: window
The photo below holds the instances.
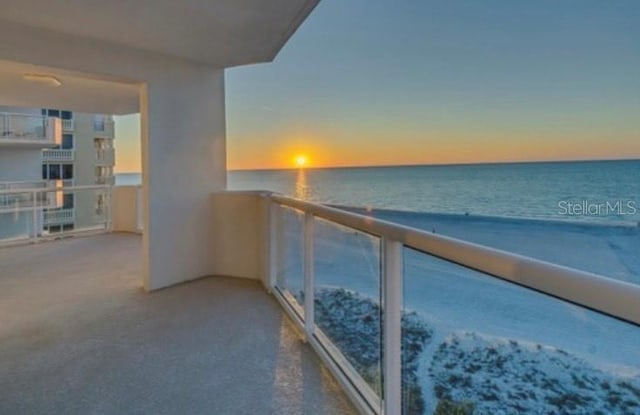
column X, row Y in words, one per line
column 98, row 122
column 67, row 227
column 67, row 171
column 65, row 115
column 67, row 141
column 45, row 170
column 54, row 172
column 67, row 201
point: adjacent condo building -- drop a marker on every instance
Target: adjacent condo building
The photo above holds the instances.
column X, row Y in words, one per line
column 53, row 148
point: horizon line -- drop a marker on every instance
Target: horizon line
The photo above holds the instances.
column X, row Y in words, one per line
column 364, row 166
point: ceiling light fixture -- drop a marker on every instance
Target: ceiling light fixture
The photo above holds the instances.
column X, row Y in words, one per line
column 42, row 79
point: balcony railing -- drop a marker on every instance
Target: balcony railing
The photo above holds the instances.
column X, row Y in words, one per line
column 29, row 129
column 26, row 184
column 19, row 195
column 496, row 327
column 24, row 212
column 62, row 155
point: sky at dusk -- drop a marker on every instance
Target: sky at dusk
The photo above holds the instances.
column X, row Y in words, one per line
column 378, row 82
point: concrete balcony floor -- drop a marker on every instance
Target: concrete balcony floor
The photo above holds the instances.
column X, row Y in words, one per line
column 79, row 336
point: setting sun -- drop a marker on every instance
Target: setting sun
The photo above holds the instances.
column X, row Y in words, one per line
column 301, row 160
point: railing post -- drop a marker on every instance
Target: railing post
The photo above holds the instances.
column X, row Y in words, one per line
column 272, row 249
column 34, row 218
column 107, row 202
column 309, row 278
column 392, row 326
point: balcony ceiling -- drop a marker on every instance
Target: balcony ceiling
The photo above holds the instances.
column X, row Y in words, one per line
column 222, row 33
column 78, row 92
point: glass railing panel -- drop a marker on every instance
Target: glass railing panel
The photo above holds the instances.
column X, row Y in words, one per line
column 348, row 297
column 26, row 126
column 18, row 219
column 289, row 255
column 478, row 344
column 72, row 210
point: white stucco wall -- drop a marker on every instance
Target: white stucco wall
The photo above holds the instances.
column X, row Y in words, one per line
column 241, row 244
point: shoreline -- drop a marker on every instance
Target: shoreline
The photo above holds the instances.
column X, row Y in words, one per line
column 488, row 218
column 608, row 250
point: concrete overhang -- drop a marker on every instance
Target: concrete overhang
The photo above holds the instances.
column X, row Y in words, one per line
column 222, row 33
column 104, row 51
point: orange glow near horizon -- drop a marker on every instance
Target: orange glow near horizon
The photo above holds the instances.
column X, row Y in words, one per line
column 328, row 146
column 326, row 149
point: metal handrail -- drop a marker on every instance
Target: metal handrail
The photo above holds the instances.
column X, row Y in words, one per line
column 57, row 189
column 607, row 295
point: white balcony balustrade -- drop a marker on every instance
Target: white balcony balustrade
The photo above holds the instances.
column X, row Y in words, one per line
column 55, row 155
column 59, row 217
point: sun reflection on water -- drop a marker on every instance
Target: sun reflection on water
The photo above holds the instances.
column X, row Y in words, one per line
column 303, row 191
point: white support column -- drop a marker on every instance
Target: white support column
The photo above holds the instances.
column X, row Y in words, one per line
column 34, row 217
column 392, row 365
column 183, row 163
column 309, row 277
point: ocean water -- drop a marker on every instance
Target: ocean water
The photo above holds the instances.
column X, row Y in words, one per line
column 586, row 191
column 590, row 191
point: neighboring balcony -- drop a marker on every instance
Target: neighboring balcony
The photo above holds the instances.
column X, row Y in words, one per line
column 28, row 130
column 58, row 155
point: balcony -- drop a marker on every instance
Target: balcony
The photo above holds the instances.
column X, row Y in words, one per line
column 58, row 155
column 455, row 314
column 89, row 340
column 25, row 130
